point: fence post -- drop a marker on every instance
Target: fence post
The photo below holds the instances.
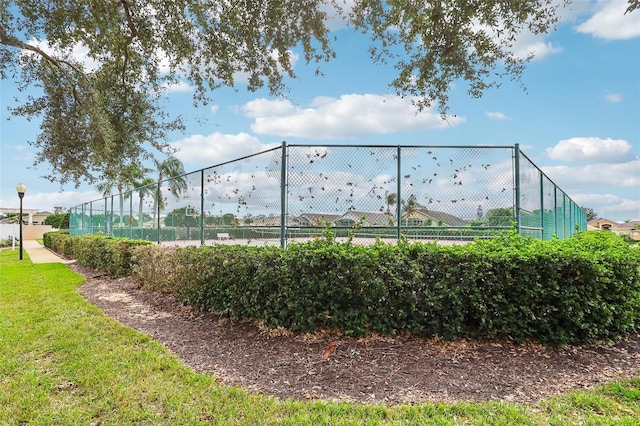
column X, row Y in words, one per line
column 566, row 216
column 399, row 196
column 570, row 218
column 555, row 209
column 108, row 224
column 516, row 172
column 158, row 195
column 131, row 214
column 202, row 207
column 111, row 214
column 542, row 224
column 283, row 196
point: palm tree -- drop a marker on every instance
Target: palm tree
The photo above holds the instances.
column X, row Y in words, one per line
column 143, row 188
column 169, row 169
column 391, row 198
column 124, row 181
column 409, row 207
column 106, row 189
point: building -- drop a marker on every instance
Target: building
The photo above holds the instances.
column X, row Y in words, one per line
column 424, row 217
column 630, row 228
column 355, row 218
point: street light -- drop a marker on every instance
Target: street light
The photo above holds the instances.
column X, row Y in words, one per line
column 22, row 188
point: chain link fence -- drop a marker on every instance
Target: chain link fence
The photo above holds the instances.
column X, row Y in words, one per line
column 297, row 192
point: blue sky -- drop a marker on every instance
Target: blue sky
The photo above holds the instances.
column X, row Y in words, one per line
column 579, row 119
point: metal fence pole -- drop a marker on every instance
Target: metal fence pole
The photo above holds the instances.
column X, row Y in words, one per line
column 565, row 214
column 283, row 196
column 202, row 207
column 571, row 230
column 399, row 196
column 131, row 214
column 555, row 209
column 516, row 172
column 158, row 195
column 542, row 223
column 111, row 214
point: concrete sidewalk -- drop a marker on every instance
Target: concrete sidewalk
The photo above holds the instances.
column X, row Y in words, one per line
column 40, row 254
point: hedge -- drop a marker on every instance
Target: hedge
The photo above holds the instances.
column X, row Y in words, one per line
column 108, row 254
column 579, row 290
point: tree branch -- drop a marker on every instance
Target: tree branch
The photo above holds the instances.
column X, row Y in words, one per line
column 9, row 40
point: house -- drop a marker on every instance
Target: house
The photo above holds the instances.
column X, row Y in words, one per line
column 34, row 216
column 39, row 217
column 355, row 218
column 422, row 216
column 262, row 220
column 601, row 223
column 630, row 228
column 316, row 219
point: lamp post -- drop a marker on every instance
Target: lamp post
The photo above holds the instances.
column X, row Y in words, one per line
column 21, row 188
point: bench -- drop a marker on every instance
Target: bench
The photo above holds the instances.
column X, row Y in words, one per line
column 223, row 235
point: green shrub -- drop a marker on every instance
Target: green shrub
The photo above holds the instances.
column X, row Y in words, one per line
column 156, row 268
column 112, row 255
column 59, row 241
column 579, row 290
column 109, row 254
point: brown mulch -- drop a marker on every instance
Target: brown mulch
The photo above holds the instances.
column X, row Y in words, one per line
column 378, row 369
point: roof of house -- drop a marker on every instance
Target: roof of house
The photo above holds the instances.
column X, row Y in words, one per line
column 318, row 218
column 265, row 221
column 632, row 224
column 597, row 222
column 368, row 218
column 446, row 218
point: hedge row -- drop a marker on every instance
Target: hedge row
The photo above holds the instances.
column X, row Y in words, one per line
column 578, row 290
column 108, row 254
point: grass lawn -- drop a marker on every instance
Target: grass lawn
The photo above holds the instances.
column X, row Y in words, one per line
column 63, row 362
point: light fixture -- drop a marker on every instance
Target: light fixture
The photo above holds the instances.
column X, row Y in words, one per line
column 21, row 188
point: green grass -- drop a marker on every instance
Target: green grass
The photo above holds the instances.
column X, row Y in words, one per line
column 63, row 362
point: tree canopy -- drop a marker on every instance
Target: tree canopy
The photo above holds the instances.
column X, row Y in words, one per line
column 591, row 214
column 101, row 115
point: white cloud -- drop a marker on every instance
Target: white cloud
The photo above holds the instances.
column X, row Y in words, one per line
column 21, row 153
column 525, row 43
column 336, row 19
column 215, row 109
column 613, row 97
column 611, row 23
column 349, row 116
column 496, row 115
column 610, row 206
column 47, row 201
column 591, row 149
column 78, row 52
column 621, row 175
column 179, row 87
column 243, row 77
column 263, row 107
column 217, row 148
column 529, row 44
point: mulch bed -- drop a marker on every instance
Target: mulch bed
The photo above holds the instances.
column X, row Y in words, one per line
column 378, row 369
